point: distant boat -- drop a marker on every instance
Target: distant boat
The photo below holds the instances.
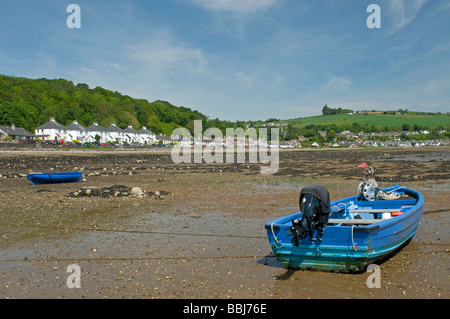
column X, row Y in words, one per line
column 53, row 178
column 346, row 235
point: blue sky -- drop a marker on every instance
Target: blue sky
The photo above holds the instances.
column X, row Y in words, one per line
column 239, row 59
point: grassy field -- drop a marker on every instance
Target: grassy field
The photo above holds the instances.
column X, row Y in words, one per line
column 380, row 120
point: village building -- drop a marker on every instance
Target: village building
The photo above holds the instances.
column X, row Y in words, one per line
column 182, row 141
column 115, row 134
column 95, row 130
column 15, row 133
column 163, row 139
column 131, row 135
column 54, row 131
column 286, row 145
column 51, row 131
column 146, row 136
column 76, row 132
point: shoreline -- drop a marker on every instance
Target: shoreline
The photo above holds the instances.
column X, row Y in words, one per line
column 206, row 240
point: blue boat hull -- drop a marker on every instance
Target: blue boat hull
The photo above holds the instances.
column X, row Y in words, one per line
column 349, row 248
column 53, row 178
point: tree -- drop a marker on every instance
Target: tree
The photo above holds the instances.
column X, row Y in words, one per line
column 330, row 136
column 309, row 133
column 356, row 127
column 326, row 110
column 406, row 127
column 405, row 137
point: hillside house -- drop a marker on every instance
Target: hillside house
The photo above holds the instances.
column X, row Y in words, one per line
column 131, row 135
column 76, row 132
column 51, row 131
column 146, row 136
column 94, row 130
column 15, row 133
column 115, row 134
column 163, row 139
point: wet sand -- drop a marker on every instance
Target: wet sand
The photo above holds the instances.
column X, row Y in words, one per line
column 206, row 239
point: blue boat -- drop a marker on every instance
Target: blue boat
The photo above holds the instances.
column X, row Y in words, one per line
column 53, row 178
column 345, row 235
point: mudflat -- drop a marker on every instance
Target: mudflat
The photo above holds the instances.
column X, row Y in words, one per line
column 197, row 230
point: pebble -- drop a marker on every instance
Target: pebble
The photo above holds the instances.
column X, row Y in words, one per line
column 137, row 191
column 117, row 191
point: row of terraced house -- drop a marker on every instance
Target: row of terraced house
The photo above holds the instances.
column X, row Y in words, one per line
column 54, row 131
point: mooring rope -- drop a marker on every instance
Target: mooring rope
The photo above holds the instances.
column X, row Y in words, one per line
column 139, row 232
column 355, row 248
column 106, row 259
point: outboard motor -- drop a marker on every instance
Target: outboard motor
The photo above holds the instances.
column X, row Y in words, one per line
column 368, row 189
column 314, row 204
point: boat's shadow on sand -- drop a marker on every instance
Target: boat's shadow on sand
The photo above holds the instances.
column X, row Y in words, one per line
column 270, row 260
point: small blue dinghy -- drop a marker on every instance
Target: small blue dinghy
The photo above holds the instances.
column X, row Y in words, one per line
column 345, row 235
column 53, row 178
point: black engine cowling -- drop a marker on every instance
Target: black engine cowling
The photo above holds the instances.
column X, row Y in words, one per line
column 314, row 204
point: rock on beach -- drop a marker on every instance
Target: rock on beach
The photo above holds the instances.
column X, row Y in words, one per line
column 116, row 191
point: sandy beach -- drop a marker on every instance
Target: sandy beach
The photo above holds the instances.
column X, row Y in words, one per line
column 197, row 231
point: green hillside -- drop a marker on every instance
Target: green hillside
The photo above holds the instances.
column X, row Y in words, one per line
column 375, row 121
column 29, row 103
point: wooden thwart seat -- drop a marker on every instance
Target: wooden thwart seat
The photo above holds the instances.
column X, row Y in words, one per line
column 354, row 221
column 374, row 210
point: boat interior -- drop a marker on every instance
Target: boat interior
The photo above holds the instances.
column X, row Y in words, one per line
column 362, row 212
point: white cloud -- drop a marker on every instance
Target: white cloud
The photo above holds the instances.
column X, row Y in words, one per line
column 337, row 85
column 404, row 12
column 244, row 78
column 235, row 5
column 437, row 86
column 165, row 56
column 161, row 66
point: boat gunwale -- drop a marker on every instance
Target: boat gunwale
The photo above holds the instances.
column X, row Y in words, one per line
column 382, row 223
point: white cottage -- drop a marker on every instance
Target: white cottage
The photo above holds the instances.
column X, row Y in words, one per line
column 94, row 130
column 163, row 139
column 76, row 132
column 115, row 133
column 131, row 135
column 51, row 131
column 146, row 136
